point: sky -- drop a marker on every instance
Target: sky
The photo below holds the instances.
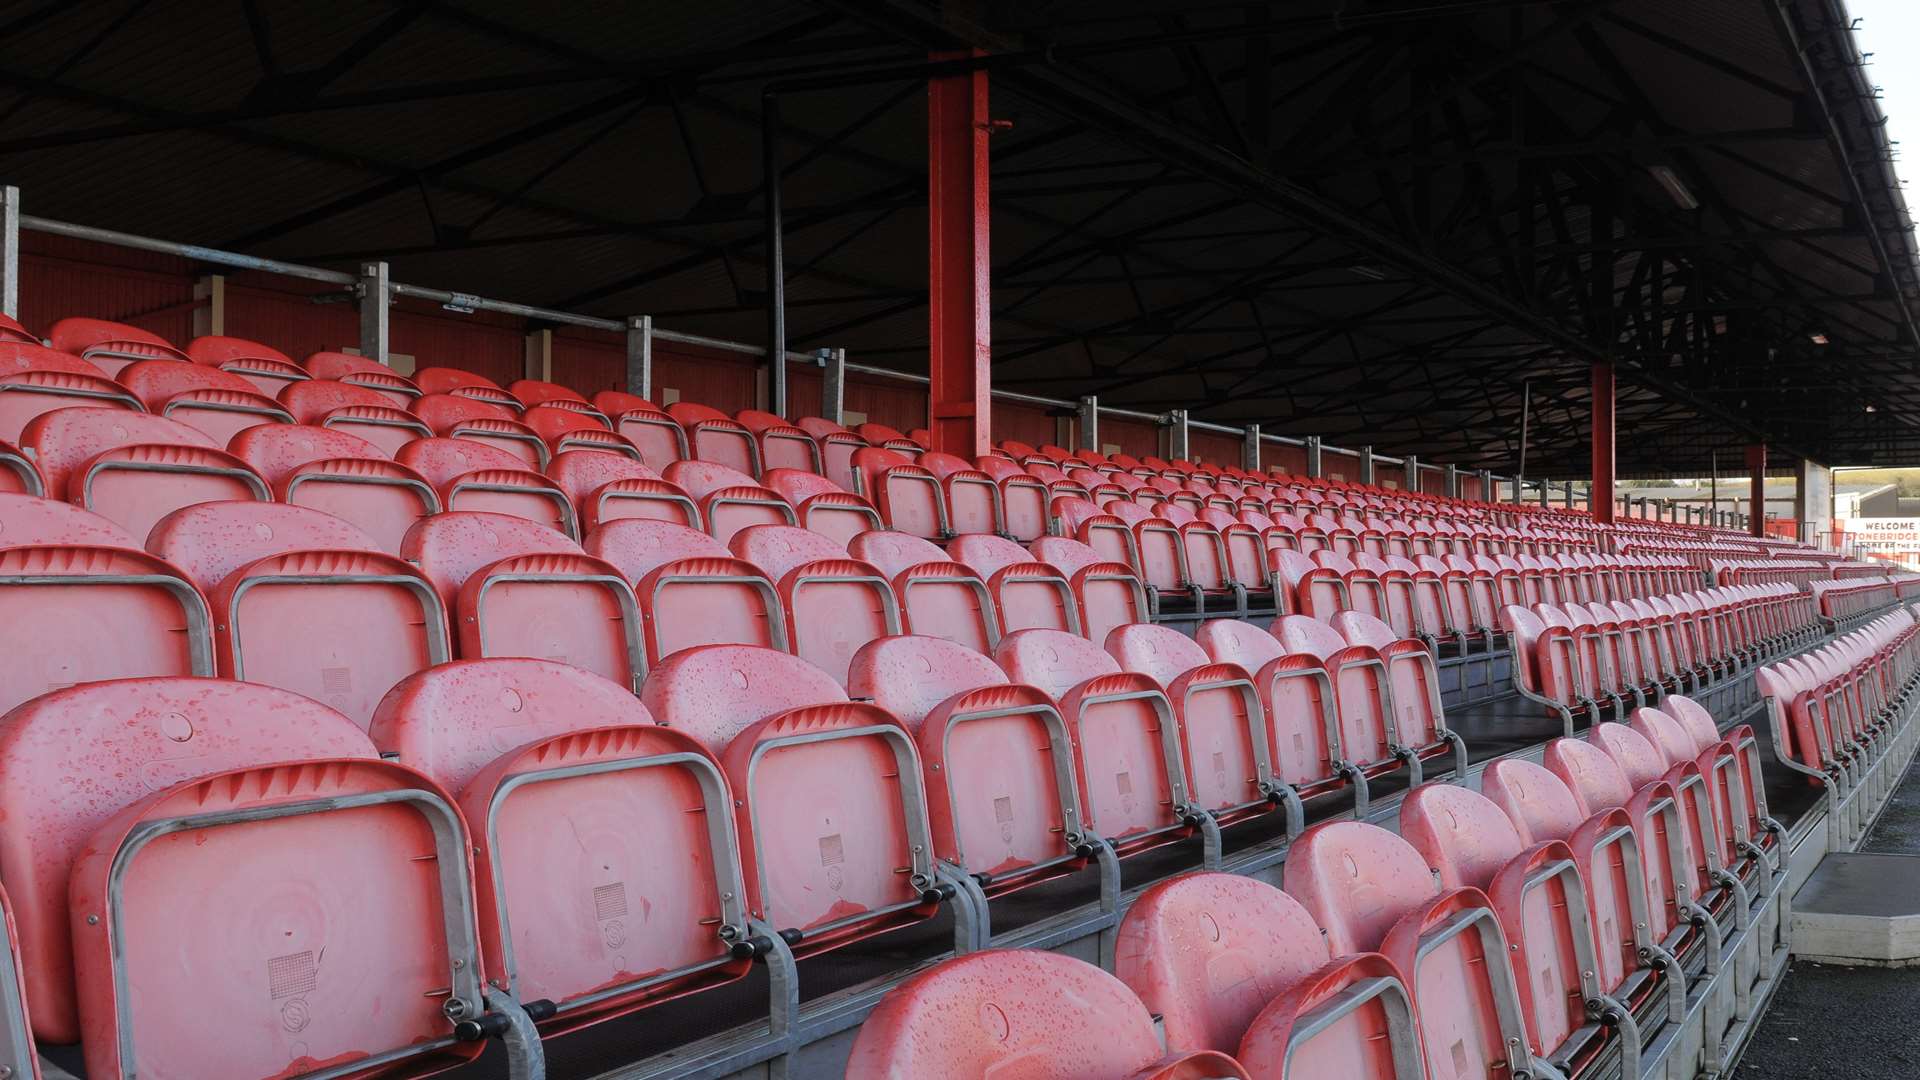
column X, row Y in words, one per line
column 1890, row 30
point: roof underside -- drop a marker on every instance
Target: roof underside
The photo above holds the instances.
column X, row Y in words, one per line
column 1378, row 221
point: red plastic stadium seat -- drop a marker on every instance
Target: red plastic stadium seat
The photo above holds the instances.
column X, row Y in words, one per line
column 716, row 437
column 397, row 389
column 11, row 330
column 218, row 403
column 1127, row 743
column 1027, row 594
column 729, row 499
column 70, row 580
column 1037, row 1012
column 1005, row 807
column 133, row 468
column 1303, row 724
column 782, row 445
column 837, row 447
column 909, row 498
column 938, row 597
column 1205, row 983
column 453, row 417
column 36, row 380
column 567, row 429
column 661, row 439
column 1416, row 718
column 823, row 507
column 266, row 369
column 442, row 380
column 533, row 392
column 469, row 476
column 356, row 410
column 691, row 591
column 305, row 601
column 608, row 487
column 110, row 346
column 973, row 499
column 1109, row 594
column 1023, row 499
column 834, row 603
column 831, row 818
column 591, row 801
column 514, row 588
column 180, row 793
column 341, row 474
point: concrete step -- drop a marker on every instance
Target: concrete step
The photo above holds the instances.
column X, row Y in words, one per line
column 1860, row 910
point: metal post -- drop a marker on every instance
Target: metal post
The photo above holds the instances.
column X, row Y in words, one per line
column 640, row 356
column 10, row 251
column 833, row 385
column 1177, row 444
column 1517, row 497
column 1569, row 502
column 1250, row 449
column 959, row 273
column 1315, row 461
column 1600, row 494
column 1714, row 460
column 1526, row 420
column 1089, row 423
column 1757, row 489
column 376, row 291
column 1413, row 473
column 1453, row 481
column 776, row 256
column 539, row 353
column 1487, row 494
column 1546, row 494
column 1366, row 464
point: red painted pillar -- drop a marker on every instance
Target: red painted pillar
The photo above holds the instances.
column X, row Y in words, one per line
column 1757, row 498
column 1600, row 500
column 959, row 277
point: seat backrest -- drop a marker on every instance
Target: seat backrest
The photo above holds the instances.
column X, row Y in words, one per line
column 1064, row 555
column 1673, row 741
column 1462, row 834
column 714, row 692
column 216, row 349
column 275, row 451
column 26, row 520
column 445, row 380
column 580, row 473
column 129, row 739
column 442, row 413
column 893, row 552
column 540, row 391
column 1305, row 634
column 910, row 675
column 451, row 547
column 441, row 460
column 112, row 345
column 702, row 478
column 1231, row 641
column 1540, row 804
column 452, row 721
column 1053, row 660
column 1641, row 760
column 209, row 541
column 1159, row 652
column 1031, row 1006
column 1595, row 779
column 1356, row 880
column 1206, row 952
column 987, row 553
column 132, row 467
column 639, row 546
column 778, row 549
column 1360, row 628
column 1694, row 717
column 310, row 401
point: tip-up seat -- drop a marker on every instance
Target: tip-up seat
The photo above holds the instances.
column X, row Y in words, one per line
column 266, row 369
column 1027, row 593
column 18, row 475
column 729, row 499
column 715, row 437
column 822, row 505
column 330, row 470
column 36, row 380
column 565, row 427
column 938, row 596
column 217, row 403
column 357, row 410
column 452, row 417
column 110, row 346
column 1133, row 778
column 1004, row 803
column 690, row 589
column 193, row 781
column 1108, row 594
column 834, row 603
column 608, row 487
column 469, row 476
column 600, row 893
column 829, row 808
column 71, row 580
column 397, row 389
column 660, row 438
column 133, row 468
column 782, row 445
column 467, row 384
column 1032, row 1007
column 909, row 497
column 305, row 601
column 514, row 588
column 972, row 497
column 12, row 330
column 532, row 392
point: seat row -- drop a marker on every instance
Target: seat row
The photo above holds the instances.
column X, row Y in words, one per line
column 1834, row 711
column 1546, row 925
column 1851, row 597
column 1599, row 659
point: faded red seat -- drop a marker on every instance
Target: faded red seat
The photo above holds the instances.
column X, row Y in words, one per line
column 175, row 766
column 305, row 601
column 1108, row 594
column 329, row 470
column 533, row 392
column 661, row 439
column 938, row 596
column 452, row 417
column 217, row 403
column 134, row 468
column 266, row 369
column 589, row 798
column 1035, row 1007
column 909, row 497
column 399, row 390
column 36, row 380
column 782, row 445
column 444, row 380
column 821, row 504
column 716, row 437
column 1027, row 593
column 470, row 476
column 690, row 589
column 834, row 604
column 1304, row 731
column 110, row 346
column 357, row 410
column 729, row 499
column 18, row 475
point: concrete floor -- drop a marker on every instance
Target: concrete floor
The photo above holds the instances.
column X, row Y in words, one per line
column 1859, row 1023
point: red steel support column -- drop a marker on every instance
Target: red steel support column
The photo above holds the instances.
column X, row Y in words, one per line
column 959, row 277
column 1757, row 498
column 1600, row 500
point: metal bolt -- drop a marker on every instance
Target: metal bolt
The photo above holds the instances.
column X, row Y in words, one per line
column 93, row 920
column 459, row 964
